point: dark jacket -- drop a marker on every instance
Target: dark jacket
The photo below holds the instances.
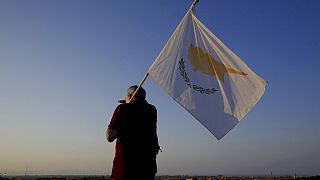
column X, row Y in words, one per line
column 137, row 141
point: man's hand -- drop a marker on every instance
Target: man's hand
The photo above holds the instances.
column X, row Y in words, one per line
column 111, row 135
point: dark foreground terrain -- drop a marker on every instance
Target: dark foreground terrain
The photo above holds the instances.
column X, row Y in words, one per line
column 220, row 177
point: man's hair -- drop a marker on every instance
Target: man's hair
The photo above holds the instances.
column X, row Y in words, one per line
column 141, row 93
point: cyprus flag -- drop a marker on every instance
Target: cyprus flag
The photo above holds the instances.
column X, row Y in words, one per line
column 205, row 77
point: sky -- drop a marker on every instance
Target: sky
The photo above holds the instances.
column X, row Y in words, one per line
column 65, row 64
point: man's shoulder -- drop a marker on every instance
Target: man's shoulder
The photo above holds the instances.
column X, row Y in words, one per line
column 151, row 106
column 124, row 106
column 132, row 105
column 121, row 106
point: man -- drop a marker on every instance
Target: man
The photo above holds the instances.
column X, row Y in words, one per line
column 134, row 125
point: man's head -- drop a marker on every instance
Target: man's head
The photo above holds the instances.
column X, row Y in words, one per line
column 140, row 95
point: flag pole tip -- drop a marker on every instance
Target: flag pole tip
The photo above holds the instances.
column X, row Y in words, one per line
column 195, row 3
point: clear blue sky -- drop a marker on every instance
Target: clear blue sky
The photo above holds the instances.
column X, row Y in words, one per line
column 64, row 65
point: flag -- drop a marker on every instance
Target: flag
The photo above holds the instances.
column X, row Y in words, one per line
column 205, row 77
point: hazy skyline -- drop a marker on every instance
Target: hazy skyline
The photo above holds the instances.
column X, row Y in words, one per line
column 65, row 64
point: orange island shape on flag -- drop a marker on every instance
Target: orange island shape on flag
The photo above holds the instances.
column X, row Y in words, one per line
column 208, row 65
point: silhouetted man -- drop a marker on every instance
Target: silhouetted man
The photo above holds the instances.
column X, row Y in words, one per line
column 134, row 125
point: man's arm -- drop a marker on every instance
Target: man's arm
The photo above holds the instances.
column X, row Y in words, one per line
column 111, row 135
column 155, row 136
column 112, row 130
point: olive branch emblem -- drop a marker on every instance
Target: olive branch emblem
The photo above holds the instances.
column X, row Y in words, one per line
column 185, row 77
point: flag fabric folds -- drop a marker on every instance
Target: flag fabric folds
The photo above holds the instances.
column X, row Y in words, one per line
column 205, row 77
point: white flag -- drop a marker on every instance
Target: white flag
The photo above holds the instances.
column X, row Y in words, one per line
column 205, row 77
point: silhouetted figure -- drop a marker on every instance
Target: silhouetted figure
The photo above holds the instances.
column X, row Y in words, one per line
column 134, row 125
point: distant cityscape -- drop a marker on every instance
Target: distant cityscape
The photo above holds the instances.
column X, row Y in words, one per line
column 164, row 177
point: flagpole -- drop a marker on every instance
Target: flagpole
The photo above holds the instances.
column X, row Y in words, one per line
column 136, row 91
column 195, row 2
